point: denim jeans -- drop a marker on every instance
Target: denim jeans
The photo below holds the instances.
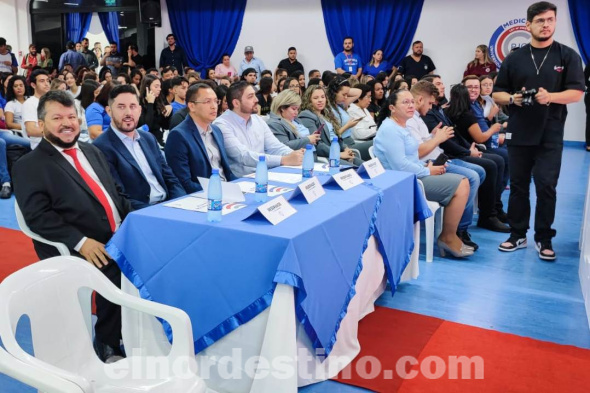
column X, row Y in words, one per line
column 475, row 174
column 7, row 139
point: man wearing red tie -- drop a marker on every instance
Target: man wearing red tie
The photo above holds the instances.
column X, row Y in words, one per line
column 67, row 195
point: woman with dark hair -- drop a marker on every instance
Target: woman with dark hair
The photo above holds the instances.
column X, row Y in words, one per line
column 123, row 79
column 327, row 77
column 105, row 75
column 366, row 129
column 292, row 84
column 376, row 65
column 4, row 80
column 467, row 128
column 300, row 76
column 210, row 74
column 80, row 72
column 340, row 96
column 400, row 84
column 397, row 149
column 377, row 98
column 482, row 64
column 264, row 96
column 15, row 98
column 136, row 77
column 97, row 118
column 281, row 85
column 315, row 113
column 155, row 111
column 88, row 92
column 221, row 93
column 72, row 84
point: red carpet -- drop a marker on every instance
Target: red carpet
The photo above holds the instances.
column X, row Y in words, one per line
column 18, row 252
column 510, row 363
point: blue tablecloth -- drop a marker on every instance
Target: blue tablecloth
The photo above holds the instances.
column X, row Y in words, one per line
column 224, row 274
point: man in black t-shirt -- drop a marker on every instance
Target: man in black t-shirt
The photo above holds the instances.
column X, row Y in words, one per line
column 417, row 64
column 291, row 64
column 134, row 59
column 535, row 132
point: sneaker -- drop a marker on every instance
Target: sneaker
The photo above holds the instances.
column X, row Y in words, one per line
column 493, row 224
column 514, row 244
column 545, row 250
column 5, row 192
column 466, row 239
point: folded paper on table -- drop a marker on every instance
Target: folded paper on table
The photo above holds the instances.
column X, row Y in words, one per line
column 230, row 192
column 196, row 204
column 249, row 187
column 291, row 178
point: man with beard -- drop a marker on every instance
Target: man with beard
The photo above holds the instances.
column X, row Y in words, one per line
column 417, row 64
column 31, row 60
column 347, row 61
column 136, row 163
column 247, row 135
column 291, row 64
column 67, row 195
column 89, row 55
column 535, row 131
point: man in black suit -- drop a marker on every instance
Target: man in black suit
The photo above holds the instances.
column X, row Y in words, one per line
column 67, row 195
column 135, row 159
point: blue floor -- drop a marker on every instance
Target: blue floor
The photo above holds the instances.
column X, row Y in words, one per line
column 508, row 292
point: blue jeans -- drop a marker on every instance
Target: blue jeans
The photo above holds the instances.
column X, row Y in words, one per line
column 7, row 139
column 475, row 174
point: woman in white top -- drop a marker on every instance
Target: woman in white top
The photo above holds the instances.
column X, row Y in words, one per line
column 366, row 128
column 72, row 84
column 15, row 97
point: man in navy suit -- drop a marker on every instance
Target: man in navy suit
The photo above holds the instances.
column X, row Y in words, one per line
column 134, row 158
column 196, row 146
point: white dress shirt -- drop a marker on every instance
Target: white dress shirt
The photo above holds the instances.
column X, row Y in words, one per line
column 419, row 131
column 245, row 141
column 157, row 192
column 212, row 149
column 88, row 168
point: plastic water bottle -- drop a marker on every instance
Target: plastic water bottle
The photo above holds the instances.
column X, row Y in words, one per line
column 308, row 162
column 214, row 197
column 261, row 179
column 334, row 156
column 145, row 128
column 494, row 142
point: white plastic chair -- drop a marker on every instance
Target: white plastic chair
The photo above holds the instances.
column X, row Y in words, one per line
column 55, row 294
column 35, row 377
column 372, row 151
column 429, row 224
column 62, row 248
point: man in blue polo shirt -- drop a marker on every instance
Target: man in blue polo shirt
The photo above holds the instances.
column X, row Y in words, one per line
column 347, row 61
column 249, row 61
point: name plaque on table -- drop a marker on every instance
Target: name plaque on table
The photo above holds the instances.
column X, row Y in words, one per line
column 277, row 210
column 311, row 190
column 373, row 168
column 347, row 179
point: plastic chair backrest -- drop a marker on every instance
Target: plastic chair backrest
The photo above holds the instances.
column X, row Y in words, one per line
column 372, row 151
column 62, row 248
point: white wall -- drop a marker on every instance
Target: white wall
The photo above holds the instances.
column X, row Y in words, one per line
column 96, row 33
column 15, row 25
column 451, row 33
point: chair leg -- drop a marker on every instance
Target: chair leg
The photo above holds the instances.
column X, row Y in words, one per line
column 439, row 225
column 429, row 228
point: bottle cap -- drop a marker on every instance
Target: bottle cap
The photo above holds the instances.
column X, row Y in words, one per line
column 215, row 171
column 308, row 147
column 335, row 139
column 262, row 158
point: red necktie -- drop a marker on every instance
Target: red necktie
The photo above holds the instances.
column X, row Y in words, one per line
column 93, row 186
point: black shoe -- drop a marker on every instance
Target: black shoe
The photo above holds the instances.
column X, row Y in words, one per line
column 106, row 353
column 466, row 239
column 5, row 192
column 493, row 224
column 502, row 216
column 514, row 244
column 545, row 250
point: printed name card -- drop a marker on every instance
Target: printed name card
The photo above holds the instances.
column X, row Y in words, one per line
column 373, row 168
column 311, row 189
column 347, row 179
column 277, row 210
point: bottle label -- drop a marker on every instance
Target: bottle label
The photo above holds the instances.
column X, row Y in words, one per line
column 334, row 163
column 308, row 173
column 214, row 205
column 261, row 188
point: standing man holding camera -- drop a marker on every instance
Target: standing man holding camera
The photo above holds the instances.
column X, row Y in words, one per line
column 535, row 130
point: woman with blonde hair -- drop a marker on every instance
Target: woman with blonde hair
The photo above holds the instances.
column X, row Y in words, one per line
column 482, row 64
column 47, row 61
column 284, row 123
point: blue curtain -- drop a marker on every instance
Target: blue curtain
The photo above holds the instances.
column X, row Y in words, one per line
column 110, row 23
column 580, row 15
column 77, row 25
column 388, row 25
column 206, row 29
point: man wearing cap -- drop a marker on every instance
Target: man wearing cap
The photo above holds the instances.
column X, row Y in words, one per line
column 249, row 61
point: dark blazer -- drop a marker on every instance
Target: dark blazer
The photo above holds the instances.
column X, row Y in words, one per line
column 313, row 122
column 128, row 174
column 457, row 146
column 284, row 132
column 56, row 202
column 187, row 156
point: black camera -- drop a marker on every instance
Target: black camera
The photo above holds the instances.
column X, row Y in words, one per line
column 528, row 96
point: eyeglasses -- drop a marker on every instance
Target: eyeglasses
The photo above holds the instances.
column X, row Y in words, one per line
column 207, row 102
column 408, row 102
column 487, row 85
column 541, row 21
column 472, row 87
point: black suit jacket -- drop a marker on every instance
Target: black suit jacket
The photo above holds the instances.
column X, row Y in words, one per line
column 56, row 202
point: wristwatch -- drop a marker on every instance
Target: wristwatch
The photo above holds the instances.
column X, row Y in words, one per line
column 511, row 100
